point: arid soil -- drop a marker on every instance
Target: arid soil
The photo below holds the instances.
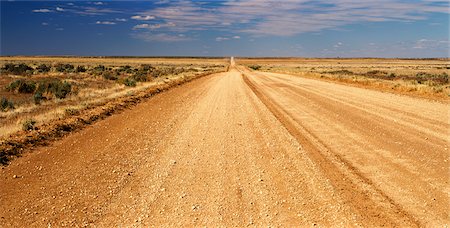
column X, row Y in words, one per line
column 243, row 148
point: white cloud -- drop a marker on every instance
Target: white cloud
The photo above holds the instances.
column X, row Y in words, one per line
column 44, row 23
column 96, row 11
column 143, row 18
column 289, row 17
column 42, row 11
column 98, row 3
column 236, row 37
column 431, row 44
column 219, row 39
column 153, row 26
column 105, row 23
column 59, row 29
column 160, row 37
column 338, row 45
column 70, row 4
column 59, row 9
column 121, row 19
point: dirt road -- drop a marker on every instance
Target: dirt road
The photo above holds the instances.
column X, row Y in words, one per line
column 243, row 148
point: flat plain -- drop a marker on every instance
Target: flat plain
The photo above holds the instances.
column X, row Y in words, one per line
column 264, row 142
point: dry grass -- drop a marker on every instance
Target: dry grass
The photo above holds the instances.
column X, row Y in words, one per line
column 417, row 77
column 88, row 89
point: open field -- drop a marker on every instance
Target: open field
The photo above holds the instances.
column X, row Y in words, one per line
column 417, row 77
column 247, row 148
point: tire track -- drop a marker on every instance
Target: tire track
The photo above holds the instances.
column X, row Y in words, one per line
column 359, row 191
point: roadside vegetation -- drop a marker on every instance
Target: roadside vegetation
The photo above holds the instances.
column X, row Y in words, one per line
column 427, row 78
column 35, row 93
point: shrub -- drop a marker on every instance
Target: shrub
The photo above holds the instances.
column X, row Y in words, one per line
column 140, row 76
column 21, row 86
column 341, row 72
column 55, row 87
column 19, row 69
column 80, row 69
column 99, row 68
column 37, row 97
column 146, row 67
column 61, row 90
column 109, row 76
column 29, row 125
column 43, row 68
column 255, row 67
column 129, row 82
column 61, row 67
column 6, row 104
column 71, row 111
column 126, row 69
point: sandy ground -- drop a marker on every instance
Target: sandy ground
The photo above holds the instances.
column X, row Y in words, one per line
column 243, row 149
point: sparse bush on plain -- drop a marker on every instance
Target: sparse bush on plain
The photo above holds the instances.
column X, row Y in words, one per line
column 38, row 97
column 80, row 69
column 29, row 125
column 126, row 69
column 110, row 76
column 255, row 67
column 146, row 67
column 71, row 111
column 56, row 87
column 99, row 68
column 346, row 72
column 6, row 104
column 21, row 86
column 64, row 68
column 43, row 68
column 17, row 69
column 140, row 76
column 129, row 82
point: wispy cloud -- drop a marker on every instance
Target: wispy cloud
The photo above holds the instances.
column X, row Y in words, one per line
column 160, row 37
column 431, row 44
column 219, row 39
column 143, row 17
column 42, row 11
column 290, row 17
column 105, row 23
column 154, row 26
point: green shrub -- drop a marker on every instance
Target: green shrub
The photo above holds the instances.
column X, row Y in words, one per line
column 146, row 68
column 29, row 125
column 109, row 76
column 255, row 67
column 71, row 111
column 99, row 68
column 43, row 68
column 17, row 69
column 21, row 86
column 37, row 97
column 80, row 69
column 6, row 104
column 64, row 68
column 129, row 82
column 347, row 72
column 127, row 69
column 55, row 87
column 140, row 76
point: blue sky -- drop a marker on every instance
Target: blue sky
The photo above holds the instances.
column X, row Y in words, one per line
column 321, row 28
